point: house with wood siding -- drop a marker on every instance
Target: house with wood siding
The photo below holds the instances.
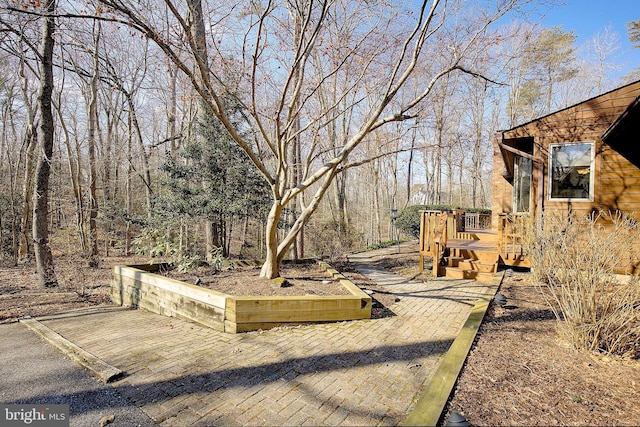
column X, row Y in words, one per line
column 581, row 159
column 585, row 157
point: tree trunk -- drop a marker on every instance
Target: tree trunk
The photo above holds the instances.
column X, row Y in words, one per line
column 27, row 190
column 377, row 231
column 212, row 238
column 410, row 166
column 8, row 123
column 270, row 268
column 172, row 108
column 128, row 188
column 146, row 170
column 44, row 259
column 24, row 247
column 74, row 174
column 341, row 203
column 93, row 122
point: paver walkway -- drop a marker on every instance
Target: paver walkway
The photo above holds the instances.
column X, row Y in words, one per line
column 368, row 372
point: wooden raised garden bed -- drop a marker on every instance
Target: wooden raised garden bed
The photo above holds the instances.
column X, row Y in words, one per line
column 139, row 286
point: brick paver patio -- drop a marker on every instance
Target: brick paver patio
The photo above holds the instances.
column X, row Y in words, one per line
column 368, row 372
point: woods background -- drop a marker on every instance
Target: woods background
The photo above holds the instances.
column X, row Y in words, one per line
column 139, row 163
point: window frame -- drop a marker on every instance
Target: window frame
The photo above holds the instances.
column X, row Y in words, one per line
column 592, row 169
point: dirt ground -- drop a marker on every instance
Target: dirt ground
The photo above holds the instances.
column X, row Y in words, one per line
column 518, row 372
column 301, row 279
column 78, row 286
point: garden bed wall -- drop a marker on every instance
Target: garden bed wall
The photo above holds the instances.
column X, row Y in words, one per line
column 138, row 286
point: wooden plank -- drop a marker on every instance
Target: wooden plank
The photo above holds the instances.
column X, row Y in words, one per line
column 275, row 309
column 186, row 289
column 346, row 283
column 621, row 206
column 300, row 316
column 619, row 174
column 515, row 260
column 473, row 245
column 174, row 305
column 98, row 367
column 301, row 310
column 617, row 164
column 168, row 297
column 139, row 289
column 625, row 181
column 608, row 154
column 620, row 195
column 255, row 303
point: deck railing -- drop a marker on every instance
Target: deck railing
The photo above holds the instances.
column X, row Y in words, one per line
column 511, row 229
column 435, row 228
column 428, row 228
column 477, row 221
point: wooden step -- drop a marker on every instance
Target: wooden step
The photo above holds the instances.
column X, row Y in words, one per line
column 468, row 264
column 485, row 257
column 459, row 273
column 453, row 261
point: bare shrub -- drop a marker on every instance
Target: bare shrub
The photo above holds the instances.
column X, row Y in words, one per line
column 329, row 239
column 574, row 261
column 80, row 275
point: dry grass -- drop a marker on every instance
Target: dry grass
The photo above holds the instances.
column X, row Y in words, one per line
column 574, row 263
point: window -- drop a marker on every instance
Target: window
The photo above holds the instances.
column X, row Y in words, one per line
column 522, row 171
column 571, row 171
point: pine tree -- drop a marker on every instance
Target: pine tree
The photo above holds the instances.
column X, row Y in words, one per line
column 211, row 180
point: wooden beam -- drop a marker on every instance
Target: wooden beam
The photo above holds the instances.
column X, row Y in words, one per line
column 520, row 153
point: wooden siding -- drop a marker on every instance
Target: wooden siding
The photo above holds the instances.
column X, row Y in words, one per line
column 502, row 189
column 616, row 179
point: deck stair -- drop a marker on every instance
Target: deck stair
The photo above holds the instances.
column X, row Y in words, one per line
column 472, row 255
column 464, row 246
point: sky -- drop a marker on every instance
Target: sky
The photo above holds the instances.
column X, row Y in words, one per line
column 589, row 17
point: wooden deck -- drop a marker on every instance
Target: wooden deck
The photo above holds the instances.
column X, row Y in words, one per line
column 447, row 237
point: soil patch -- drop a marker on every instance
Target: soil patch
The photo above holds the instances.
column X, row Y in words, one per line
column 301, row 279
column 79, row 285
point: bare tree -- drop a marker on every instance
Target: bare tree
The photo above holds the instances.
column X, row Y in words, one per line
column 600, row 50
column 259, row 57
column 74, row 163
column 30, row 142
column 92, row 118
column 9, row 160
